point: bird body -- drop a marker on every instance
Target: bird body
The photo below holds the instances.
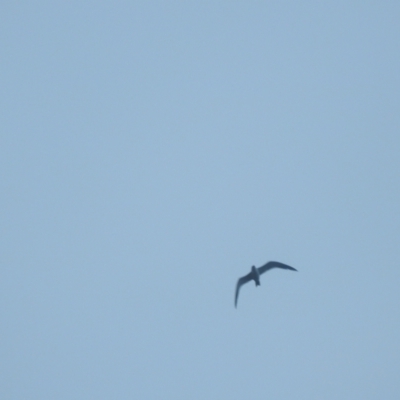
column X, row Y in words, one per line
column 254, row 275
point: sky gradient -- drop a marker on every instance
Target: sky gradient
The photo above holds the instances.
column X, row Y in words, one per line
column 152, row 152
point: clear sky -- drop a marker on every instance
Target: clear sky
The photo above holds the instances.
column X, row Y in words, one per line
column 152, row 152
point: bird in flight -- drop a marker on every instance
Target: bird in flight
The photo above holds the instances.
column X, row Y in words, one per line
column 255, row 273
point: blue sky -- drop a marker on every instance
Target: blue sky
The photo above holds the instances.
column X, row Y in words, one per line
column 152, row 152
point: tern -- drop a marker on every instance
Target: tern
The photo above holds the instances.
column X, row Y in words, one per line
column 255, row 273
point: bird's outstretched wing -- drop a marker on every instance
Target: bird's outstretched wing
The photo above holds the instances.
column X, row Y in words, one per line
column 241, row 281
column 274, row 264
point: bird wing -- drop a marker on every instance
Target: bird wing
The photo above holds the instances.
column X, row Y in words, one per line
column 274, row 264
column 241, row 281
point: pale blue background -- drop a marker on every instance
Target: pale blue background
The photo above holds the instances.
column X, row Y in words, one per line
column 151, row 152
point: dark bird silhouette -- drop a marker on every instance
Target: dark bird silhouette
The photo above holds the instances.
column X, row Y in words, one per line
column 254, row 275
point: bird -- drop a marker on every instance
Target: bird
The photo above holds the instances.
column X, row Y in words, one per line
column 255, row 273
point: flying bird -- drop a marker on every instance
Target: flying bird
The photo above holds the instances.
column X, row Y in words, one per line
column 255, row 273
